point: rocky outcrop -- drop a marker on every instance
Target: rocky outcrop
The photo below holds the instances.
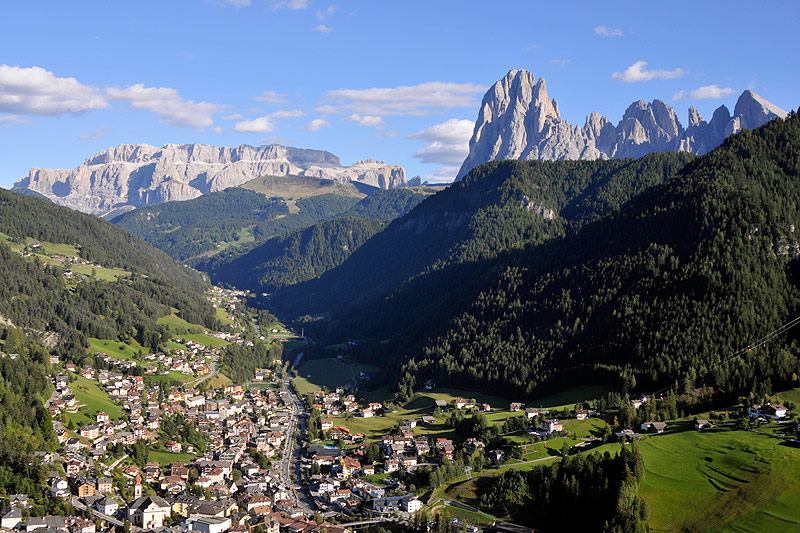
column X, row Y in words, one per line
column 517, row 120
column 131, row 175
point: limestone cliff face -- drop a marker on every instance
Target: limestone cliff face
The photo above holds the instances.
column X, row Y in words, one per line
column 517, row 120
column 140, row 174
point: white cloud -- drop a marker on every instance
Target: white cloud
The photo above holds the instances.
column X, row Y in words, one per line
column 316, row 124
column 257, row 125
column 638, row 72
column 322, row 28
column 233, row 116
column 454, row 130
column 448, row 142
column 271, row 97
column 266, row 123
column 366, row 120
column 706, row 92
column 168, row 104
column 326, row 109
column 99, row 134
column 443, row 174
column 290, row 4
column 12, row 119
column 416, row 100
column 234, row 3
column 36, row 91
column 605, row 31
column 286, row 113
column 218, row 129
column 322, row 14
column 560, row 62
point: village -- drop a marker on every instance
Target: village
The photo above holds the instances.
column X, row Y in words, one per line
column 199, row 453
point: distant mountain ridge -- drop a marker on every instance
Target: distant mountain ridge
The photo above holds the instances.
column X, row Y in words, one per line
column 132, row 175
column 517, row 120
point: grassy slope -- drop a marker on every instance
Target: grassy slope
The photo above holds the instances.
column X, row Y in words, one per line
column 47, row 249
column 115, row 349
column 723, row 479
column 92, row 399
column 165, row 458
column 177, row 324
column 296, row 187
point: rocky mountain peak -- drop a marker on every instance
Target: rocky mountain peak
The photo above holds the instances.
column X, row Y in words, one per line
column 517, row 120
column 753, row 111
column 140, row 174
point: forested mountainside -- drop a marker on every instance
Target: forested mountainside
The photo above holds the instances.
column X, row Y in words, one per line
column 24, row 216
column 68, row 276
column 198, row 227
column 217, row 228
column 445, row 245
column 534, row 273
column 96, row 281
column 298, row 256
column 684, row 276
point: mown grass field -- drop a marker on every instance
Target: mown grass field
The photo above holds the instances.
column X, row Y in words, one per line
column 165, row 458
column 296, row 187
column 220, row 380
column 721, row 480
column 569, row 397
column 115, row 349
column 202, row 338
column 181, row 328
column 176, row 323
column 222, row 316
column 47, row 249
column 93, row 400
column 180, row 377
column 331, row 373
column 463, row 515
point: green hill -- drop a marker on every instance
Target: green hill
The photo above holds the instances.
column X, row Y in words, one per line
column 684, row 275
column 299, row 256
column 218, row 227
column 67, row 277
column 634, row 272
column 70, row 276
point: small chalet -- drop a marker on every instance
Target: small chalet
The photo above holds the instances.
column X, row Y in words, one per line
column 654, row 427
column 701, row 424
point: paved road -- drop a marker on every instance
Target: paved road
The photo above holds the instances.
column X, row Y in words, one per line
column 214, row 372
column 291, row 456
column 118, row 461
column 78, row 505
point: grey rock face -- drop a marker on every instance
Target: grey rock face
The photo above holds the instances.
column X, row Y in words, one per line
column 140, row 174
column 517, row 120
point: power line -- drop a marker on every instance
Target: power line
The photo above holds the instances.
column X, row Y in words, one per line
column 772, row 335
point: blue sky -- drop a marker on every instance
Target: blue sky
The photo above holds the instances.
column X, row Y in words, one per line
column 395, row 81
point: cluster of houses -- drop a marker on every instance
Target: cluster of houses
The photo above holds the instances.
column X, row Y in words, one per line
column 768, row 411
column 236, row 421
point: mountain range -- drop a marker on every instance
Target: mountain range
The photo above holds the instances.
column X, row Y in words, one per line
column 530, row 274
column 518, row 120
column 132, row 175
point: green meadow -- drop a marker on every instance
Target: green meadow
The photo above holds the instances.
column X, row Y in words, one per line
column 721, row 480
column 92, row 400
column 331, row 373
column 165, row 458
column 116, row 349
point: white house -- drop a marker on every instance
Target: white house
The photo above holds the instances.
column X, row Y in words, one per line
column 107, row 505
column 411, row 505
column 208, row 525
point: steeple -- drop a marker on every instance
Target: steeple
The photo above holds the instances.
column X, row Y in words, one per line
column 137, row 487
